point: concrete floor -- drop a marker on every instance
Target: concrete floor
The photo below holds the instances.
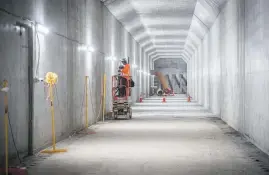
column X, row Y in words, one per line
column 184, row 141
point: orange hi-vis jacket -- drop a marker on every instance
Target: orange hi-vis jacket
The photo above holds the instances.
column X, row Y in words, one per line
column 126, row 71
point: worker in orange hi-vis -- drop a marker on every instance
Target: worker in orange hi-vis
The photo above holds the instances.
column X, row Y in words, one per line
column 126, row 69
column 125, row 72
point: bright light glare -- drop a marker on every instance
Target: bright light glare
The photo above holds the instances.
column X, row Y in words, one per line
column 111, row 58
column 83, row 48
column 91, row 49
column 86, row 48
column 17, row 28
column 42, row 29
column 134, row 66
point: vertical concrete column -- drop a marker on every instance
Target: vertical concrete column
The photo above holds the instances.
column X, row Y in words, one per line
column 189, row 80
column 149, row 77
column 205, row 78
column 196, row 75
column 241, row 57
column 144, row 71
column 192, row 76
column 134, row 70
column 214, row 67
column 140, row 70
column 200, row 76
column 111, row 42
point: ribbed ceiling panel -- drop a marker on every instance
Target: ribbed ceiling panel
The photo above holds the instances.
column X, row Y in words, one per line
column 166, row 28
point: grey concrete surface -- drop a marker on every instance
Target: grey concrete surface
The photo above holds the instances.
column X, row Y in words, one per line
column 224, row 45
column 71, row 23
column 156, row 144
column 16, row 75
column 229, row 70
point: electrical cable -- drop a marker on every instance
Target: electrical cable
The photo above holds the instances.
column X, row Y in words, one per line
column 56, row 33
column 13, row 140
column 58, row 102
column 16, row 16
column 94, row 111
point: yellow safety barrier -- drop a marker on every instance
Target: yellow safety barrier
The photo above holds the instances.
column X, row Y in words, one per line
column 104, row 97
column 4, row 89
column 52, row 79
column 86, row 103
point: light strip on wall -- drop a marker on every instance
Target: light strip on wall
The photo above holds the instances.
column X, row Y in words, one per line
column 134, row 66
column 42, row 29
column 86, row 48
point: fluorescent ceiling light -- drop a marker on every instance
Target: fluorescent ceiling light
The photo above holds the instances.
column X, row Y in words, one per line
column 42, row 29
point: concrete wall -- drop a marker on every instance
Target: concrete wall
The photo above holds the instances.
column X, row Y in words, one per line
column 118, row 43
column 256, row 73
column 16, row 74
column 232, row 76
column 71, row 24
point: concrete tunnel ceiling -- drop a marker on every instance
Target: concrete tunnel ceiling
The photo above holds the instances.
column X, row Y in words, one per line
column 166, row 28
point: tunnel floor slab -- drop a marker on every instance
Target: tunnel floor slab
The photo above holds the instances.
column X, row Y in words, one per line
column 156, row 145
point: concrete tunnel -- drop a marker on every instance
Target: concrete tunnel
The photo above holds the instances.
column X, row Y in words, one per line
column 219, row 46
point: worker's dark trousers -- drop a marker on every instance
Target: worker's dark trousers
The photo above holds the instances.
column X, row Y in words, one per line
column 122, row 89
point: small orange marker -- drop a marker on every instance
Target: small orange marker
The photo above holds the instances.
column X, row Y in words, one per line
column 189, row 98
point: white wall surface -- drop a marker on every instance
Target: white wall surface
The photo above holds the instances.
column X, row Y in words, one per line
column 119, row 44
column 71, row 23
column 230, row 69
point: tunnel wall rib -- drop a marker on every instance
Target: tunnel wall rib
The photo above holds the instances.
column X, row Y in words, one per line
column 70, row 23
column 235, row 84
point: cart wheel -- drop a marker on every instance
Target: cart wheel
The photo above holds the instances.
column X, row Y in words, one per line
column 130, row 113
column 114, row 116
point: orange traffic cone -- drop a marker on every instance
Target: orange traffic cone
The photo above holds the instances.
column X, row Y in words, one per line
column 189, row 98
column 140, row 99
column 164, row 100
